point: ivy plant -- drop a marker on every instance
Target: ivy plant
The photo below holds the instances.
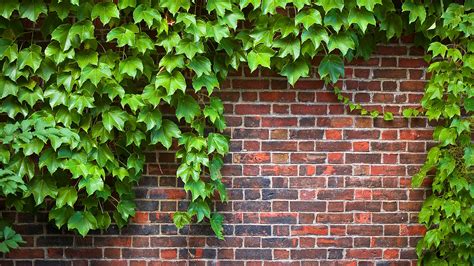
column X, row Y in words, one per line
column 86, row 86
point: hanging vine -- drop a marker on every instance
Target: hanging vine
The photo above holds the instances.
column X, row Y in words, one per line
column 87, row 85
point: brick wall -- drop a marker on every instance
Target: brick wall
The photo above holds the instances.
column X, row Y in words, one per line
column 308, row 181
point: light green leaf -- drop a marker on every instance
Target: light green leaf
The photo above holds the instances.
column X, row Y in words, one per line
column 171, row 82
column 7, row 7
column 308, row 18
column 331, row 4
column 174, row 5
column 361, row 17
column 147, row 14
column 66, row 196
column 332, row 67
column 130, row 66
column 31, row 57
column 105, row 11
column 217, row 142
column 295, row 70
column 151, row 117
column 83, row 222
column 187, row 108
column 165, row 133
column 123, row 35
column 114, row 118
column 41, row 188
column 341, row 41
column 170, row 62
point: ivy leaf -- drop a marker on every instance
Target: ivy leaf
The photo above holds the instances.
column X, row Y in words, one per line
column 134, row 101
column 85, row 58
column 49, row 159
column 332, row 66
column 114, row 118
column 260, row 56
column 308, row 18
column 189, row 48
column 215, row 167
column 469, row 104
column 7, row 7
column 92, row 184
column 316, row 35
column 84, row 30
column 95, row 73
column 187, row 108
column 361, row 17
column 123, row 35
column 217, row 142
column 31, row 9
column 208, row 81
column 130, row 66
column 200, row 65
column 341, row 41
column 171, row 82
column 170, row 62
column 416, row 11
column 295, row 70
column 151, row 117
column 127, row 3
column 216, row 225
column 174, row 5
column 31, row 57
column 41, row 188
column 220, row 6
column 368, row 4
column 147, row 14
column 8, row 87
column 197, row 189
column 201, row 209
column 331, row 4
column 181, row 219
column 66, row 196
column 126, row 208
column 165, row 133
column 105, row 11
column 60, row 34
column 83, row 222
column 143, row 43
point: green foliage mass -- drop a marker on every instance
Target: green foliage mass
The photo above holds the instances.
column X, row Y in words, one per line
column 86, row 86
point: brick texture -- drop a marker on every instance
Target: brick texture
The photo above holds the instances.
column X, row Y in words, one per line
column 310, row 183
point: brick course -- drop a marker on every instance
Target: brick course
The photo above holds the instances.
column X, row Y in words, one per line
column 309, row 181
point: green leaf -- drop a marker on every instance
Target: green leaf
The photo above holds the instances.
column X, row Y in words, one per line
column 261, row 56
column 416, row 11
column 174, row 5
column 61, row 34
column 181, row 219
column 7, row 7
column 171, row 82
column 66, row 196
column 49, row 159
column 105, row 11
column 123, row 35
column 295, row 70
column 201, row 209
column 438, row 49
column 31, row 57
column 31, row 9
column 388, row 116
column 469, row 104
column 189, row 48
column 216, row 225
column 95, row 73
column 114, row 118
column 83, row 222
column 170, row 62
column 8, row 87
column 308, row 18
column 332, row 67
column 92, row 184
column 187, row 108
column 218, row 143
column 331, row 4
column 208, row 81
column 220, row 6
column 147, row 14
column 151, row 117
column 165, row 133
column 361, row 17
column 41, row 188
column 200, row 65
column 316, row 35
column 197, row 189
column 126, row 208
column 130, row 66
column 84, row 30
column 85, row 58
column 143, row 43
column 368, row 4
column 127, row 3
column 341, row 41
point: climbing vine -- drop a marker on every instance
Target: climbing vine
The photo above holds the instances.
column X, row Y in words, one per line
column 86, row 86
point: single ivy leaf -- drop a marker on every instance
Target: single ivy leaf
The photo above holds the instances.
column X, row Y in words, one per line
column 215, row 167
column 197, row 189
column 83, row 29
column 130, row 66
column 201, row 209
column 331, row 4
column 171, row 82
column 147, row 14
column 41, row 188
column 85, row 58
column 260, row 57
column 220, row 6
column 114, row 118
column 469, row 104
column 189, row 48
column 341, row 41
column 295, row 70
column 123, row 35
column 368, row 4
column 8, row 87
column 60, row 34
column 95, row 73
column 316, row 35
column 151, row 117
column 31, row 57
column 134, row 101
column 126, row 208
column 174, row 5
column 308, row 18
column 165, row 133
column 143, row 43
column 181, row 219
column 31, row 9
column 82, row 221
column 217, row 142
column 332, row 66
column 66, row 196
column 187, row 108
column 170, row 62
column 127, row 3
column 216, row 224
column 103, row 220
column 362, row 18
column 92, row 184
column 416, row 11
column 105, row 11
column 7, row 7
column 208, row 81
column 49, row 159
column 60, row 215
column 200, row 65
